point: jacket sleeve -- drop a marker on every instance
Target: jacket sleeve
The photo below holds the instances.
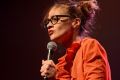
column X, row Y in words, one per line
column 96, row 66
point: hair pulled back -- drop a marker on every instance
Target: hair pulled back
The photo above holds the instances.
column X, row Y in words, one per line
column 83, row 9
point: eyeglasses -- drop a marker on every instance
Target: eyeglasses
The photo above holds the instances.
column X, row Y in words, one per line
column 54, row 19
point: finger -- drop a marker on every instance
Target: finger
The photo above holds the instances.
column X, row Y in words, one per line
column 45, row 67
column 46, row 62
column 45, row 73
column 49, row 62
column 49, row 73
column 43, row 62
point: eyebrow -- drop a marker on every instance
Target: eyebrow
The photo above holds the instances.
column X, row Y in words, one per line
column 65, row 15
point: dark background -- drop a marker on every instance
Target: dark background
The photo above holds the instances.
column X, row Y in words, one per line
column 23, row 41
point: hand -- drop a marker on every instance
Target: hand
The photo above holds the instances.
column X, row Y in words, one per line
column 48, row 69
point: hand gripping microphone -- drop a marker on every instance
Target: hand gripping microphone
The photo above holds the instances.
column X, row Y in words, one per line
column 51, row 46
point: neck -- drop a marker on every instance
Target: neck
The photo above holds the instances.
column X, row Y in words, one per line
column 75, row 38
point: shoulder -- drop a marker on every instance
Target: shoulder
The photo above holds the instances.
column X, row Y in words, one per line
column 88, row 42
column 91, row 48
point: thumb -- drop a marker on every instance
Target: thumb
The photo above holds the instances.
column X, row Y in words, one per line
column 43, row 61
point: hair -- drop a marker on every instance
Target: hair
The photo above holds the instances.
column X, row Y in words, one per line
column 83, row 9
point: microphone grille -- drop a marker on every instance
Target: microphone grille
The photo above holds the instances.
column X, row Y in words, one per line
column 52, row 45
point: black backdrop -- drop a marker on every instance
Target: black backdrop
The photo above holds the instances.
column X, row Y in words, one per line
column 23, row 40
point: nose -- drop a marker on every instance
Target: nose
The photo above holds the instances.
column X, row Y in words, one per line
column 49, row 25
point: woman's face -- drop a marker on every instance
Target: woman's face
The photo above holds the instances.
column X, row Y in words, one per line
column 60, row 29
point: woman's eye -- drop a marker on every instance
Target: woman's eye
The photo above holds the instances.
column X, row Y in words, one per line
column 55, row 18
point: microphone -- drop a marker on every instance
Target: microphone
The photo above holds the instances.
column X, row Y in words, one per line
column 51, row 46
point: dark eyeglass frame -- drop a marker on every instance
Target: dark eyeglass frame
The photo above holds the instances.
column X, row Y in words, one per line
column 54, row 19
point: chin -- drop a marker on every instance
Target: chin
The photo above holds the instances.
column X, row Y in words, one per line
column 58, row 39
column 54, row 39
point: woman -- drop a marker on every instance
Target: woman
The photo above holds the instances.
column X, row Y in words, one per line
column 70, row 23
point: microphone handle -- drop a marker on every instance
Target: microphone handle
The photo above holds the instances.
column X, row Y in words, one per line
column 49, row 52
column 48, row 58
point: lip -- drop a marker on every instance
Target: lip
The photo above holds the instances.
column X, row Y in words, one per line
column 50, row 32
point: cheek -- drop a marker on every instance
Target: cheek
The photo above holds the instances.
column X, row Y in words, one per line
column 63, row 29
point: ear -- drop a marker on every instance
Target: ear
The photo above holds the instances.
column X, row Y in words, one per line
column 76, row 23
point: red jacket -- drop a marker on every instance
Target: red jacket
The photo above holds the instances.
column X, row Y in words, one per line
column 84, row 60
